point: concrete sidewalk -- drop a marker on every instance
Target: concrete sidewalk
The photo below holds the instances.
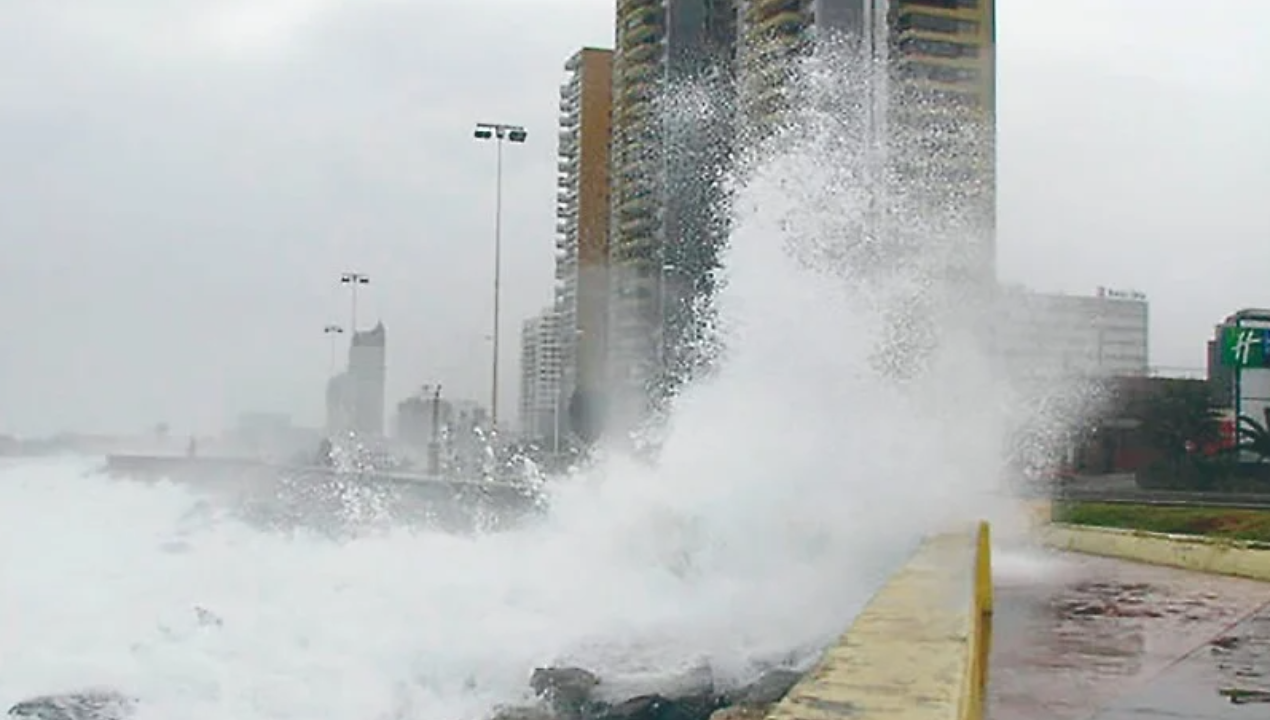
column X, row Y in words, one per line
column 1080, row 637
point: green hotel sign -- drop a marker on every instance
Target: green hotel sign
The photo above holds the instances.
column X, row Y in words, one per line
column 1245, row 347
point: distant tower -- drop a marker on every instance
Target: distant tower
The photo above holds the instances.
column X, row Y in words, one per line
column 367, row 370
column 338, row 401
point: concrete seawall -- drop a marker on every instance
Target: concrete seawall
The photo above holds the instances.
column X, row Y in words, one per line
column 294, row 495
column 918, row 650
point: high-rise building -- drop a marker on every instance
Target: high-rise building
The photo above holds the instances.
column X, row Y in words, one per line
column 367, row 369
column 926, row 79
column 672, row 124
column 542, row 410
column 582, row 220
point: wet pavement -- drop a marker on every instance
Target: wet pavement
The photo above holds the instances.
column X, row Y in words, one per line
column 1087, row 638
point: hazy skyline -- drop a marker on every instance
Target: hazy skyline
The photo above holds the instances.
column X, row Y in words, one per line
column 182, row 184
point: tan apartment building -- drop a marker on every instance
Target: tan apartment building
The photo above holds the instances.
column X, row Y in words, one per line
column 582, row 219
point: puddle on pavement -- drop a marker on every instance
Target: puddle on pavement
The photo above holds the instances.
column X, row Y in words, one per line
column 1242, row 660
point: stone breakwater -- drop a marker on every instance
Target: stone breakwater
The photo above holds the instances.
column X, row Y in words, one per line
column 562, row 693
column 569, row 693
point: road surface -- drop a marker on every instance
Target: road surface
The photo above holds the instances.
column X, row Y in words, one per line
column 1085, row 638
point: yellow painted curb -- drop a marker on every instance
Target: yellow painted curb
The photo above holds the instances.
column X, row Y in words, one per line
column 1189, row 552
column 918, row 650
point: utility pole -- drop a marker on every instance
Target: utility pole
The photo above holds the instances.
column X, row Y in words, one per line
column 434, row 443
column 352, row 386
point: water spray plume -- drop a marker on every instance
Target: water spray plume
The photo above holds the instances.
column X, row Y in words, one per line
column 790, row 479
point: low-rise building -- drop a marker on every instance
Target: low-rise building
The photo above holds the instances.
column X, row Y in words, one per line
column 1044, row 338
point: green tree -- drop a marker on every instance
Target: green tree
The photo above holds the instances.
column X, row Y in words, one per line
column 1254, row 436
column 1179, row 418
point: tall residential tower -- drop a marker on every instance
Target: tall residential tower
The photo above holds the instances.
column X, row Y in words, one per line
column 926, row 74
column 541, row 411
column 672, row 129
column 582, row 222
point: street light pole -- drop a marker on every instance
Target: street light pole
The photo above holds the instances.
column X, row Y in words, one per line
column 352, row 280
column 333, row 331
column 498, row 132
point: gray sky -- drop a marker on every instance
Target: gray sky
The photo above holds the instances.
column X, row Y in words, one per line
column 181, row 184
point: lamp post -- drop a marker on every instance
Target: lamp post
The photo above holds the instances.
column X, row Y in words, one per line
column 352, row 388
column 333, row 331
column 498, row 132
column 353, row 280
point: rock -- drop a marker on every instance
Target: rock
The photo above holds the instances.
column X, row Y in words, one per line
column 660, row 707
column 523, row 712
column 768, row 689
column 84, row 705
column 740, row 712
column 207, row 618
column 566, row 689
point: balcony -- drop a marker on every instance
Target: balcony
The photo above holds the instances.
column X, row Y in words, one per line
column 939, row 49
column 641, row 55
column 935, row 21
column 638, row 106
column 789, row 22
column 635, row 12
column 635, row 204
column 940, row 73
column 640, row 225
column 758, row 11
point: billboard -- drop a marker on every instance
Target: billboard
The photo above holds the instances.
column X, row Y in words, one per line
column 1245, row 347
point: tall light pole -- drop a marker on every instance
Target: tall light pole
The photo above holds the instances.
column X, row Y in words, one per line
column 333, row 331
column 498, row 132
column 353, row 280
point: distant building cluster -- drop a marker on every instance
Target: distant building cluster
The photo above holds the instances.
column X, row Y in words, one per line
column 355, row 397
column 432, row 432
column 647, row 130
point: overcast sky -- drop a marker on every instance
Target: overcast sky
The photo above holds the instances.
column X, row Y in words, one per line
column 181, row 184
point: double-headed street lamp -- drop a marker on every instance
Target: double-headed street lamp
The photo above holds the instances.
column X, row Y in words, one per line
column 333, row 331
column 498, row 132
column 352, row 280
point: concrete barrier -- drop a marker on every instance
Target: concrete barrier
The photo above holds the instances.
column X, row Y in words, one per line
column 282, row 495
column 918, row 650
column 1039, row 512
column 1189, row 552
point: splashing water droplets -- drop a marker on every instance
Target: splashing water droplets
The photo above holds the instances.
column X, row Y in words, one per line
column 790, row 478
